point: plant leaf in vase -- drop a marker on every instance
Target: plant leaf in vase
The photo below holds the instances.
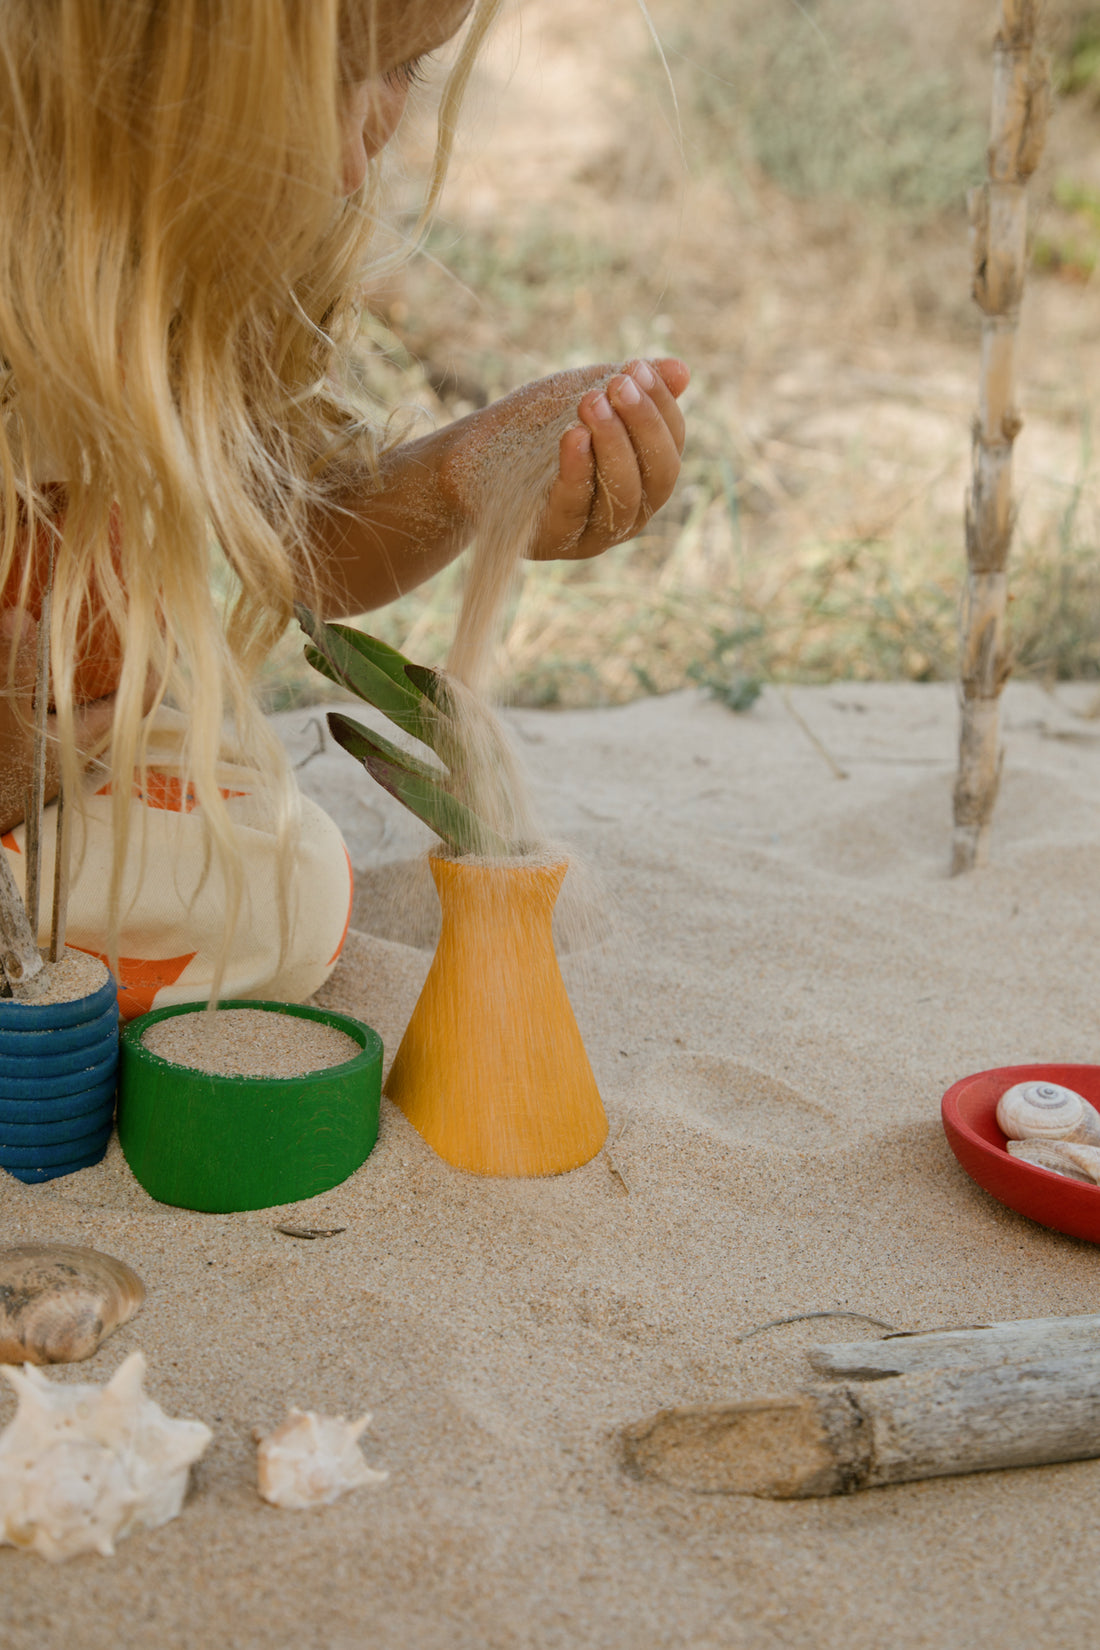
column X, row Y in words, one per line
column 375, row 673
column 419, row 787
column 416, row 699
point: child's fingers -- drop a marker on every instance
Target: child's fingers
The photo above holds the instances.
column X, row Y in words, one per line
column 673, row 374
column 648, row 377
column 619, row 488
column 654, row 443
column 569, row 505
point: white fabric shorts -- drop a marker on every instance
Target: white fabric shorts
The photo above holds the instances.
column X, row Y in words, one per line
column 173, row 901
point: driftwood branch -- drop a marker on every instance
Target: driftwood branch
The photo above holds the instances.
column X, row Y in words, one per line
column 998, row 233
column 947, row 1401
column 1026, row 1340
column 19, row 954
column 858, row 1435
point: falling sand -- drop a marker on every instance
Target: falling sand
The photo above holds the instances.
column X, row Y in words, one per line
column 510, row 481
column 508, row 478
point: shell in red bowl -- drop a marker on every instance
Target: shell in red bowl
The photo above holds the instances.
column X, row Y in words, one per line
column 970, row 1123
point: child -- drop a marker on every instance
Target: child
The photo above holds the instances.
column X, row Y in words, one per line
column 188, row 190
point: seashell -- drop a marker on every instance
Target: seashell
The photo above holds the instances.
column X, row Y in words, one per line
column 313, row 1459
column 1065, row 1157
column 1046, row 1111
column 83, row 1466
column 59, row 1303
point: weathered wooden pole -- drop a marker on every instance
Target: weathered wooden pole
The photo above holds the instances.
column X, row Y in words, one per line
column 1017, row 1394
column 998, row 224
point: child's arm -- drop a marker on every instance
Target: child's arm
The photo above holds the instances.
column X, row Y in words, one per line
column 617, row 466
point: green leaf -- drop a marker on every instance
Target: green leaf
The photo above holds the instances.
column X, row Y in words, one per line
column 374, row 672
column 420, row 788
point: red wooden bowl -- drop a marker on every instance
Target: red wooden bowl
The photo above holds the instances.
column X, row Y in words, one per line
column 970, row 1123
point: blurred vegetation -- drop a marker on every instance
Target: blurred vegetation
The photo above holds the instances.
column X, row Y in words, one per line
column 828, row 102
column 1076, row 56
column 736, row 583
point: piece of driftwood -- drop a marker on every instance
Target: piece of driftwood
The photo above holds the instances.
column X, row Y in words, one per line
column 19, row 954
column 856, row 1435
column 1024, row 1340
column 998, row 223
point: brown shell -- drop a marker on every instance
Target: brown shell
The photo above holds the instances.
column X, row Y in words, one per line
column 59, row 1303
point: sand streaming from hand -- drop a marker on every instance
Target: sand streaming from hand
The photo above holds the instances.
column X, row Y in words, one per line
column 509, row 482
column 249, row 1042
column 509, row 488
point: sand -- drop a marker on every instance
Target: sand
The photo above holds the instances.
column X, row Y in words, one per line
column 249, row 1042
column 788, row 984
column 73, row 975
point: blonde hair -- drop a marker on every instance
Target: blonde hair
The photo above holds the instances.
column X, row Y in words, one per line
column 179, row 283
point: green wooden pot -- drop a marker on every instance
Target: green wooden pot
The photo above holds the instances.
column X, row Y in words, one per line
column 204, row 1141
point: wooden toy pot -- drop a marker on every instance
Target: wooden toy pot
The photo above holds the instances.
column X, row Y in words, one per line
column 491, row 1070
column 58, row 1068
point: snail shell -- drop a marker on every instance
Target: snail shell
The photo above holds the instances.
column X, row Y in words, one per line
column 1064, row 1157
column 59, row 1303
column 1046, row 1111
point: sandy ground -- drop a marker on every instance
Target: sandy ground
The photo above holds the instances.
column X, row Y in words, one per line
column 787, row 984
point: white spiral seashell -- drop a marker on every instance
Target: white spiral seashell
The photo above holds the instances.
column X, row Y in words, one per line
column 1046, row 1111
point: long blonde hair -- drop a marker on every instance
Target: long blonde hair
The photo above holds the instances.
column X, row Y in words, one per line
column 179, row 283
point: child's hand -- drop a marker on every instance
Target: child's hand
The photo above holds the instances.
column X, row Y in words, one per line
column 620, row 465
column 617, row 464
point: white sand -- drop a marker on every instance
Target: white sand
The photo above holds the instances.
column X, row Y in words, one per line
column 791, row 984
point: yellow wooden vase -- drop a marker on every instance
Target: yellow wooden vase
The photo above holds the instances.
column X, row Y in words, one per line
column 491, row 1070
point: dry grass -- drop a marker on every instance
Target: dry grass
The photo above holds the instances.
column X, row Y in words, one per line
column 805, row 250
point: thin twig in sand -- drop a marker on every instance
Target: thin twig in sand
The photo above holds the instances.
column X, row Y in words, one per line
column 62, row 853
column 319, row 749
column 837, row 770
column 804, row 1317
column 611, row 1162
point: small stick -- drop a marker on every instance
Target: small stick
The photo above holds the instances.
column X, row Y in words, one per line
column 805, row 1317
column 613, row 1165
column 837, row 770
column 61, row 860
column 37, row 799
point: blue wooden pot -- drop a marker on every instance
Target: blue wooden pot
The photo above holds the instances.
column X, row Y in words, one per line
column 58, row 1073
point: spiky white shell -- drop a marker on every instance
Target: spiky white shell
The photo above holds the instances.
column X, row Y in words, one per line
column 83, row 1466
column 1046, row 1111
column 313, row 1459
column 1065, row 1157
